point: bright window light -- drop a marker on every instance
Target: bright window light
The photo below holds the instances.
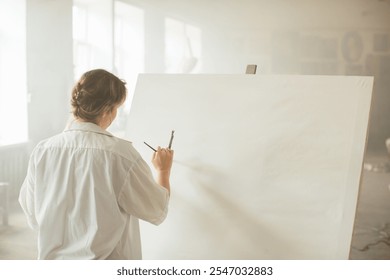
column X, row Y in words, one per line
column 13, row 85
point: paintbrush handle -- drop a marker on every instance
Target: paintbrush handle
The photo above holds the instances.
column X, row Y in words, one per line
column 170, row 141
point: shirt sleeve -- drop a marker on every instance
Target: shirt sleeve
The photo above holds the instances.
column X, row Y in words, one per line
column 142, row 197
column 26, row 196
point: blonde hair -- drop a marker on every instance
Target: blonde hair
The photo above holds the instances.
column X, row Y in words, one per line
column 97, row 91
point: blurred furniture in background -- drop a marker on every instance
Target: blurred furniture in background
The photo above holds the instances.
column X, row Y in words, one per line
column 4, row 204
column 13, row 166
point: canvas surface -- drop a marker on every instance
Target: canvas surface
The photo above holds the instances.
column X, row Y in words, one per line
column 266, row 167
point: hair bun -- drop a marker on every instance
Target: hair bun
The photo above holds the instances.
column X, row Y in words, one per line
column 97, row 92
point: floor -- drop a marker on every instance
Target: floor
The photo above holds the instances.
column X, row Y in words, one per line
column 371, row 238
column 17, row 240
column 370, row 241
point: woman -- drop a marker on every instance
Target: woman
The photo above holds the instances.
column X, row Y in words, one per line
column 85, row 189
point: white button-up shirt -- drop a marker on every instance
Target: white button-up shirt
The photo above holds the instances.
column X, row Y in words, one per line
column 85, row 191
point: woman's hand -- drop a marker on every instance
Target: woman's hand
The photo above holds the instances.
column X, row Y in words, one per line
column 162, row 159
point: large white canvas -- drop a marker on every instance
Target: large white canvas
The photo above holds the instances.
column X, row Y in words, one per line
column 266, row 167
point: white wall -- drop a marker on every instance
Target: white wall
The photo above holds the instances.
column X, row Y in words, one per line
column 49, row 66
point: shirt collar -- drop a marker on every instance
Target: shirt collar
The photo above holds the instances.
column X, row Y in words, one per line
column 87, row 127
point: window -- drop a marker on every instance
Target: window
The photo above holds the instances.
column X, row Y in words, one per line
column 13, row 85
column 129, row 45
column 129, row 54
column 92, row 36
column 111, row 34
column 110, row 37
column 183, row 46
column 81, row 47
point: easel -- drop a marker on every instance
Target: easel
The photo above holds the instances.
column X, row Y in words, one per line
column 251, row 69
